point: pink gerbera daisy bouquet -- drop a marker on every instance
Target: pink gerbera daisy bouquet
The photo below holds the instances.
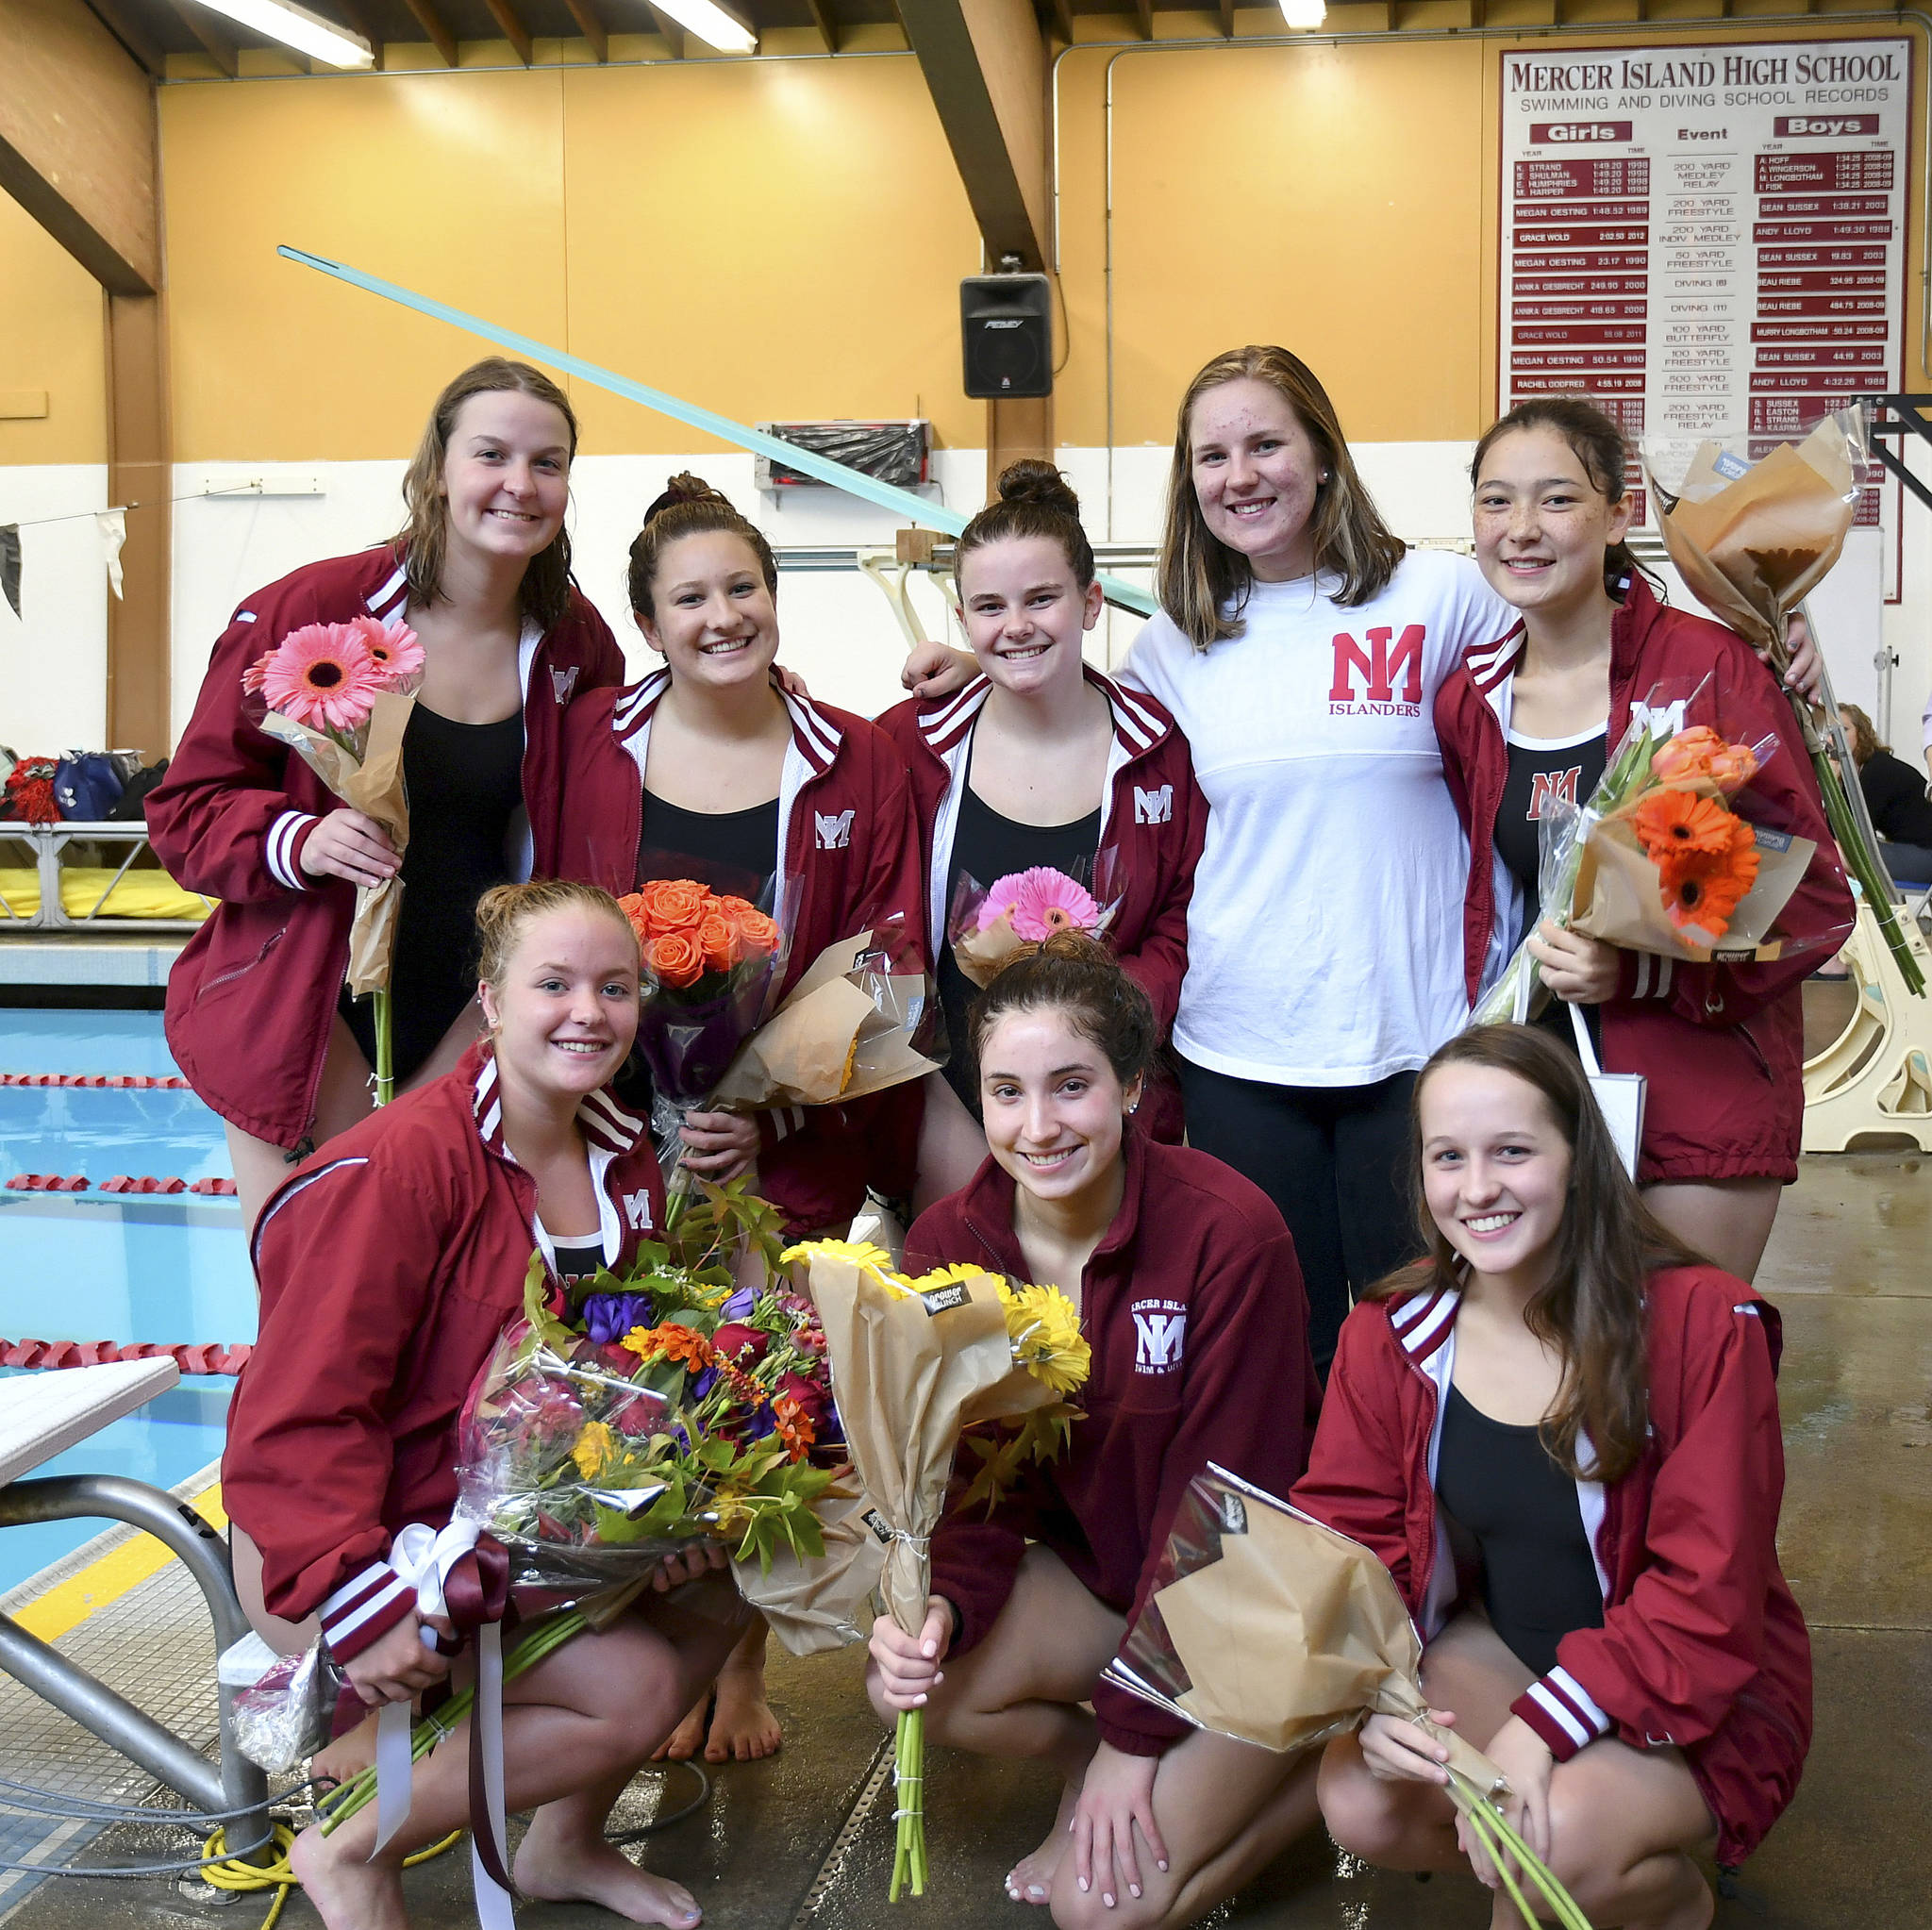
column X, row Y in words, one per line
column 339, row 696
column 989, row 926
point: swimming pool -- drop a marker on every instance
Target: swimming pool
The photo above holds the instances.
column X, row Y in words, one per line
column 107, row 1267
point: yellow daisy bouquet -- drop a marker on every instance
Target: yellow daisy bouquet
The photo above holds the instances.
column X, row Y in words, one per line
column 915, row 1362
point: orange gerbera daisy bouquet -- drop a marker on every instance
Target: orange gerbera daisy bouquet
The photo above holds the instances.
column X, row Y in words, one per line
column 339, row 696
column 1670, row 856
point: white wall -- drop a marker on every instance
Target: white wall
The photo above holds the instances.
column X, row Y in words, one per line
column 54, row 656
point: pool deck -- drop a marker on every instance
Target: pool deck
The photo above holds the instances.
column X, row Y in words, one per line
column 804, row 1841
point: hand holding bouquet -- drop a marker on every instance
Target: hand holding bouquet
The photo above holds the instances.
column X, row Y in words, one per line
column 339, row 696
column 1671, row 854
column 915, row 1361
column 1273, row 1629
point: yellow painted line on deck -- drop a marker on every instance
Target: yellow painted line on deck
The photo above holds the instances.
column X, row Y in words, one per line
column 68, row 1604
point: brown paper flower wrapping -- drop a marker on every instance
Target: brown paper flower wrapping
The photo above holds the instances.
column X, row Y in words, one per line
column 373, row 786
column 1279, row 1631
column 823, row 1602
column 845, row 1030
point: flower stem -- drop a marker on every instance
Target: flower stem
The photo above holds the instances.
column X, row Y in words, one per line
column 909, row 1786
column 385, row 1048
column 1506, row 1846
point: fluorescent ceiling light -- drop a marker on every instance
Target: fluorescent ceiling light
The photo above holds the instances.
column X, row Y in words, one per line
column 712, row 25
column 295, row 26
column 1303, row 14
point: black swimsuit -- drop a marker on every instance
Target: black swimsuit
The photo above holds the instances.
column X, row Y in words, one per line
column 465, row 784
column 731, row 853
column 985, row 847
column 1538, row 1577
column 577, row 1260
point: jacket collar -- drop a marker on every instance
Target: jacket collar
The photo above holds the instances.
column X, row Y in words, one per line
column 1136, row 726
column 607, row 1126
column 817, row 737
column 1489, row 664
column 1422, row 1322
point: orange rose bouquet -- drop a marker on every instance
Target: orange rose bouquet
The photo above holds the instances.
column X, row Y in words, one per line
column 711, row 965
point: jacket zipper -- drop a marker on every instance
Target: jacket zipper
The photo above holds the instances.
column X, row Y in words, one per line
column 221, row 978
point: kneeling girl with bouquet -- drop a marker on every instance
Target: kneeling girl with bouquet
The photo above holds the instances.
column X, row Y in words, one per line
column 1559, row 1432
column 1186, row 1281
column 389, row 1265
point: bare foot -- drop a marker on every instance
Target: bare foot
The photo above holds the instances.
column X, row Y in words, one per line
column 348, row 1755
column 743, row 1729
column 347, row 1893
column 1031, row 1880
column 599, row 1872
column 689, row 1737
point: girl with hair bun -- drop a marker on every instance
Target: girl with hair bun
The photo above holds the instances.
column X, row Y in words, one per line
column 1559, row 1432
column 1187, row 1287
column 256, row 1015
column 1041, row 760
column 710, row 768
column 389, row 1264
column 1720, row 1046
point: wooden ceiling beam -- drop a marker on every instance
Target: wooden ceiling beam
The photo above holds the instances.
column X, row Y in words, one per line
column 511, row 23
column 592, row 28
column 1226, row 19
column 120, row 21
column 1143, row 17
column 1063, row 20
column 674, row 34
column 215, row 43
column 822, row 18
column 364, row 22
column 985, row 66
column 432, row 23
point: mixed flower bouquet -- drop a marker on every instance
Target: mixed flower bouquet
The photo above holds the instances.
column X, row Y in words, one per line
column 916, row 1362
column 992, row 925
column 621, row 1418
column 1266, row 1626
column 1753, row 531
column 339, row 696
column 1673, row 854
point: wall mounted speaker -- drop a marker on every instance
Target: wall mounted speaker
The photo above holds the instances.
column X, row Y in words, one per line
column 1005, row 324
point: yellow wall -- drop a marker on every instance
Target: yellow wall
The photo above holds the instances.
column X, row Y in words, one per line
column 51, row 339
column 768, row 238
column 1339, row 199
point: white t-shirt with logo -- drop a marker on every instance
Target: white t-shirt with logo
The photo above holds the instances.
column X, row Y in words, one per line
column 1324, row 937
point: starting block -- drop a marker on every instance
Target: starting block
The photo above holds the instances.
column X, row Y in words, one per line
column 1876, row 1076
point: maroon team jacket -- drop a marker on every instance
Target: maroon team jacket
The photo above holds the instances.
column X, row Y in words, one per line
column 1199, row 1326
column 1721, row 1045
column 252, row 997
column 389, row 1264
column 1702, row 1644
column 1152, row 817
column 850, row 859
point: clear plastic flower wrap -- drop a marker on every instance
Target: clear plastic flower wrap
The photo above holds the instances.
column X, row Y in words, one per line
column 283, row 1706
column 621, row 1418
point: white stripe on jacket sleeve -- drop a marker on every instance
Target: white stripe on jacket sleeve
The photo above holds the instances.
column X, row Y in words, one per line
column 279, row 848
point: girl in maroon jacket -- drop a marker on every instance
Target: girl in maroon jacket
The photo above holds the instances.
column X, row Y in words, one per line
column 1188, row 1289
column 1560, row 1432
column 1040, row 761
column 257, row 1017
column 389, row 1264
column 1534, row 717
column 711, row 769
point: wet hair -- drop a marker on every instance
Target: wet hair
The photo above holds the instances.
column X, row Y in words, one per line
column 1202, row 584
column 505, row 913
column 1592, row 1309
column 1863, row 736
column 1079, row 976
column 1598, row 444
column 544, row 595
column 1035, row 499
column 688, row 506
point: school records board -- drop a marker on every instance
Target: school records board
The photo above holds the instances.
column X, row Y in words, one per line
column 1705, row 240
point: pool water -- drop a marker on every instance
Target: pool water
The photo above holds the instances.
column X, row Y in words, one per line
column 107, row 1267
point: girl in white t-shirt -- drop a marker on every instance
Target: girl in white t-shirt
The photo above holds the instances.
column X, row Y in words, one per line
column 1299, row 647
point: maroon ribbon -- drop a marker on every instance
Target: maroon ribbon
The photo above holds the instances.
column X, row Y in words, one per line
column 477, row 1591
